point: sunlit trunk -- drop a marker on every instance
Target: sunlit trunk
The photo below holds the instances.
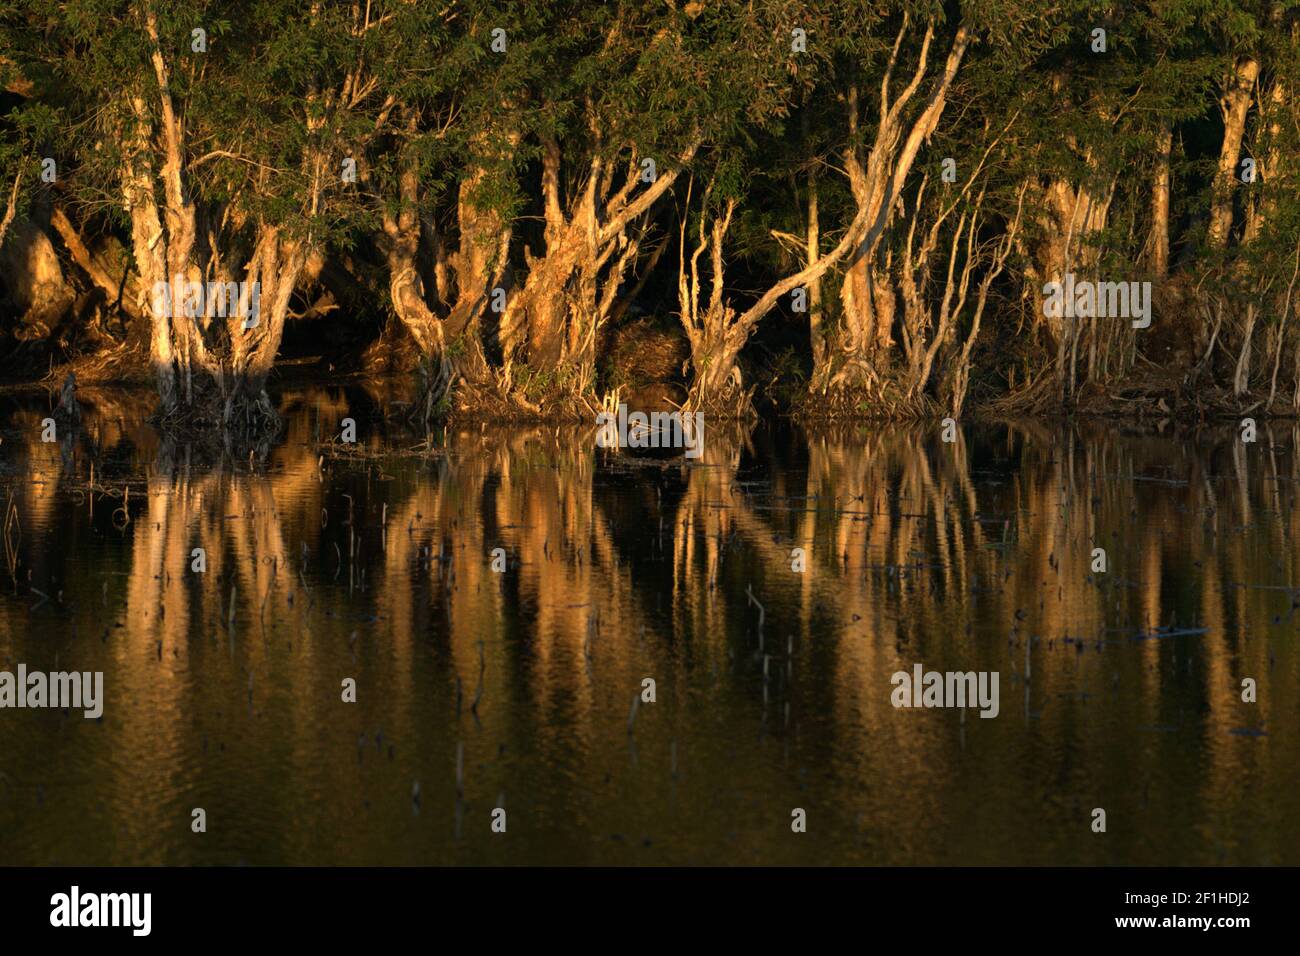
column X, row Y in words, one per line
column 715, row 331
column 867, row 294
column 1160, row 204
column 812, row 254
column 1235, row 103
column 37, row 288
column 571, row 288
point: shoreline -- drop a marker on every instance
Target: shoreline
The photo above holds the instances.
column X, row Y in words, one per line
column 574, row 413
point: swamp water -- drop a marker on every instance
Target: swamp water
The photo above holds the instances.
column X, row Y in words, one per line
column 222, row 690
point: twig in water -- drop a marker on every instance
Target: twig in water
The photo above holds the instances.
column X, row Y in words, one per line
column 478, row 694
column 761, row 615
column 631, row 717
column 460, row 769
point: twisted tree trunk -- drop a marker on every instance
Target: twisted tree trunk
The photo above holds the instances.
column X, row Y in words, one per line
column 571, row 289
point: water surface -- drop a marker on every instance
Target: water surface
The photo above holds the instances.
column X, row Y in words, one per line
column 1119, row 690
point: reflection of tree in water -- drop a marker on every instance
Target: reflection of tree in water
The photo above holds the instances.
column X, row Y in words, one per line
column 946, row 562
column 710, row 514
column 565, row 616
column 957, row 556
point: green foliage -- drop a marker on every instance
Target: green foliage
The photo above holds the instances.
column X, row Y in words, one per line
column 287, row 90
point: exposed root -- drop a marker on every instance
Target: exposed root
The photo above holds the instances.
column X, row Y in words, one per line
column 437, row 378
column 730, row 401
column 125, row 363
column 1040, row 396
column 394, row 352
column 879, row 399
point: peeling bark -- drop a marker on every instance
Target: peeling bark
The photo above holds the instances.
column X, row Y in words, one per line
column 812, row 254
column 1070, row 217
column 464, row 279
column 570, row 290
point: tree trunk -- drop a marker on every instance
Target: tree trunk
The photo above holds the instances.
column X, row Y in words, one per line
column 867, row 294
column 406, row 290
column 1160, row 204
column 479, row 262
column 119, row 291
column 1235, row 103
column 149, row 249
column 1268, row 174
column 715, row 332
column 277, row 264
column 571, row 288
column 813, row 253
column 1070, row 218
column 37, row 289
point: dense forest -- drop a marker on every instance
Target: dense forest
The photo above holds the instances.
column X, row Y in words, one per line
column 837, row 208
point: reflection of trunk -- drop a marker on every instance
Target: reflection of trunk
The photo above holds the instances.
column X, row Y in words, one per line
column 712, row 511
column 867, row 294
column 1236, row 103
column 1160, row 203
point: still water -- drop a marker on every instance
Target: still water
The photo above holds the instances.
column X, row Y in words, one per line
column 1119, row 690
